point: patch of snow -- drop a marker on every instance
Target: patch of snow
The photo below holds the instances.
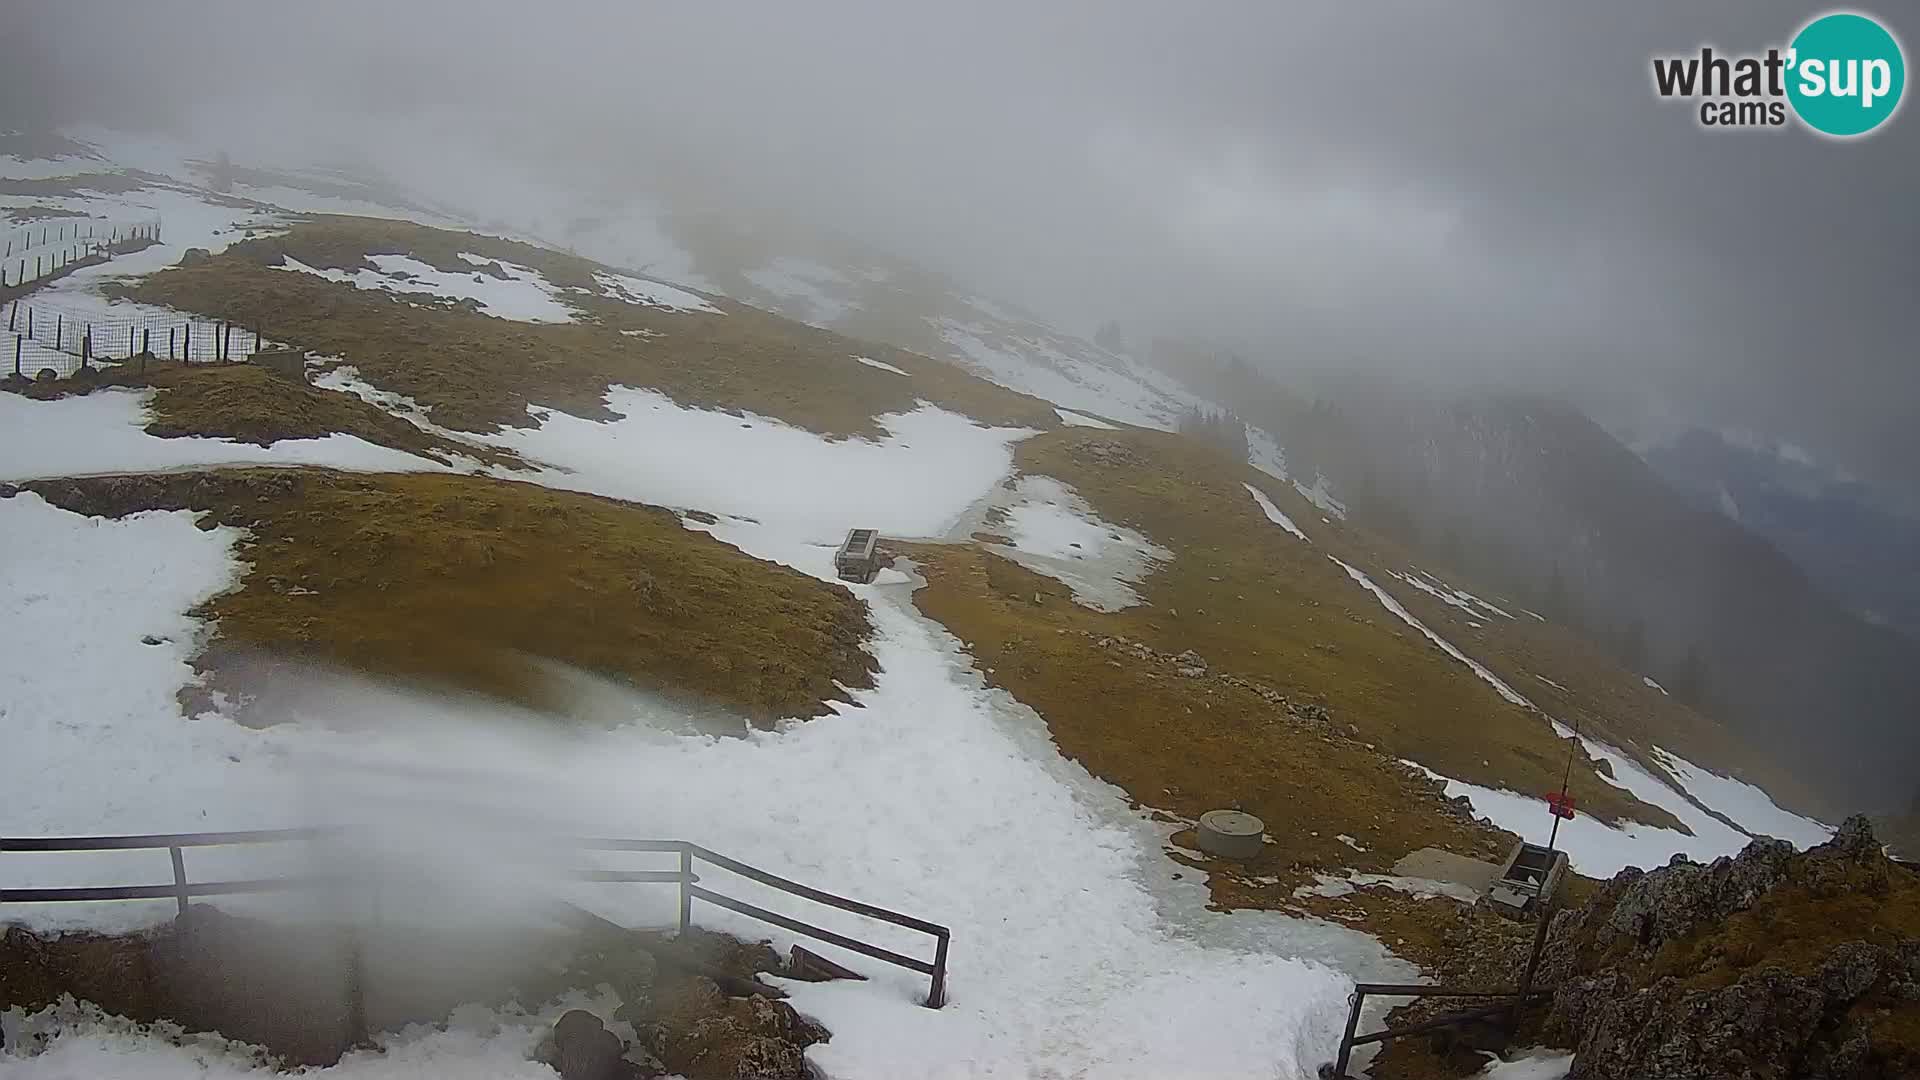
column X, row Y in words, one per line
column 808, row 291
column 1537, row 1065
column 525, row 295
column 1444, row 596
column 19, row 168
column 1386, row 599
column 1748, row 806
column 101, row 432
column 1651, row 685
column 915, row 482
column 1551, row 683
column 882, row 365
column 1264, row 453
column 1334, row 886
column 1067, row 372
column 1350, row 842
column 1274, row 513
column 646, row 293
column 1074, row 419
column 62, row 1042
column 1320, row 496
column 1056, row 533
column 1593, row 847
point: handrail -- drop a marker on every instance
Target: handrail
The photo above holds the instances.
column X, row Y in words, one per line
column 1349, row 1039
column 182, row 890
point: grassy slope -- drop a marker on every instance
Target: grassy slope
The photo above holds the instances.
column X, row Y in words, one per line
column 1252, row 599
column 477, row 373
column 457, row 580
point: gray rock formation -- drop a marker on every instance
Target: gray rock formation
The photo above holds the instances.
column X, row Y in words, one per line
column 1653, row 982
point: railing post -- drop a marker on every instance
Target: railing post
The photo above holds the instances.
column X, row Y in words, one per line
column 1346, row 1040
column 179, row 879
column 686, row 884
column 937, row 995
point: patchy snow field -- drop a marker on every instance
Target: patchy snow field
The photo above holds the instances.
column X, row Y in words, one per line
column 1274, row 513
column 1055, row 532
column 809, row 291
column 102, row 432
column 1749, row 807
column 915, row 482
column 644, row 293
column 1067, row 372
column 882, row 365
column 1074, row 419
column 1386, row 600
column 524, row 295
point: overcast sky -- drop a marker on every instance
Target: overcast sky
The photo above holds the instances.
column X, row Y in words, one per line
column 1487, row 192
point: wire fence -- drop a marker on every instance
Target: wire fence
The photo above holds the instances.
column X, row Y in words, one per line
column 48, row 338
column 34, row 252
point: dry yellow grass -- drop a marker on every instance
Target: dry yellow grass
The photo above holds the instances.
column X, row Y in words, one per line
column 466, row 583
column 1254, row 601
column 478, row 373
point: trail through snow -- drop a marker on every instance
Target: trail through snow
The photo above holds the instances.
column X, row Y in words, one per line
column 931, row 794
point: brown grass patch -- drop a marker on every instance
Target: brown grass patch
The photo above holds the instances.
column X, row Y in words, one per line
column 1182, row 744
column 1254, row 601
column 457, row 581
column 1797, row 924
column 477, row 373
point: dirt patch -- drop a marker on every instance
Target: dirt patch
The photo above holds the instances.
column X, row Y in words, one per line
column 477, row 373
column 480, row 585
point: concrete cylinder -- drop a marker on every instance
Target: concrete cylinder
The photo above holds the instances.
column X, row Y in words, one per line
column 1231, row 834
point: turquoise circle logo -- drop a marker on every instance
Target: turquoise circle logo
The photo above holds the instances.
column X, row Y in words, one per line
column 1846, row 74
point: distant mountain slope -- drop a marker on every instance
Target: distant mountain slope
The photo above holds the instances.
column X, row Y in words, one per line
column 1832, row 527
column 1533, row 496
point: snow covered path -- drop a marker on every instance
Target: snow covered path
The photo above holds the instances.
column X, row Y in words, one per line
column 1077, row 951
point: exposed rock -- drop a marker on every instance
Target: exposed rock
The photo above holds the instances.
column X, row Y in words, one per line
column 195, row 257
column 583, row 1049
column 1742, row 969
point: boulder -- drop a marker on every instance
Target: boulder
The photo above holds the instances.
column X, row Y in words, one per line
column 195, row 257
column 583, row 1049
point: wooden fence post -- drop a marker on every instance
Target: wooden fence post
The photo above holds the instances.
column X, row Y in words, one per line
column 59, row 327
column 686, row 883
column 17, row 339
column 169, row 342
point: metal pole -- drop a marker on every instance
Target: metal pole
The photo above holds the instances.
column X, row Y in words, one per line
column 179, row 879
column 937, row 996
column 1346, row 1040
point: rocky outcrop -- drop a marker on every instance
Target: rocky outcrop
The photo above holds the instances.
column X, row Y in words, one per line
column 1768, row 965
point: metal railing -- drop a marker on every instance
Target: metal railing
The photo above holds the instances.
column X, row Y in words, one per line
column 182, row 890
column 1509, row 1001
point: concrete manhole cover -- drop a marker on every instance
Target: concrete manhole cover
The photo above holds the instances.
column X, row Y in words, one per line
column 1230, row 834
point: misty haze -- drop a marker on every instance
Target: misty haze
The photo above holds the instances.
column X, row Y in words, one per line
column 851, row 540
